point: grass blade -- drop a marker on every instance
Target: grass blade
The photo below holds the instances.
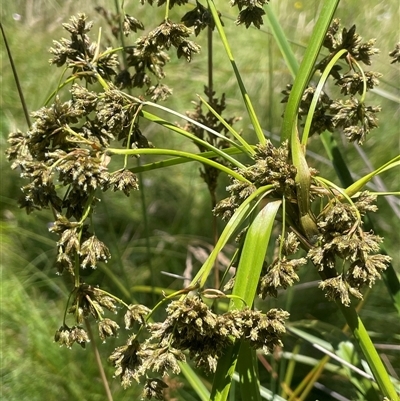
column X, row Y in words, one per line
column 194, row 138
column 371, row 355
column 246, row 281
column 253, row 255
column 180, row 160
column 171, row 152
column 307, row 68
column 243, row 211
column 248, row 148
column 246, row 99
column 282, row 41
column 248, row 373
column 195, row 382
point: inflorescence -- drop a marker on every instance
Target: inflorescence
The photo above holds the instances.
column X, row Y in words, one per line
column 64, row 157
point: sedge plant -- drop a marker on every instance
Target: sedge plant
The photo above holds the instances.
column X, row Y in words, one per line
column 88, row 136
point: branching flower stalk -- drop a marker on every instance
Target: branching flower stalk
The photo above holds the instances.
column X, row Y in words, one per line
column 66, row 156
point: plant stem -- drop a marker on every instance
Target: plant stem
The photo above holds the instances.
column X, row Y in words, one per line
column 371, row 355
column 98, row 362
column 212, row 190
column 16, row 79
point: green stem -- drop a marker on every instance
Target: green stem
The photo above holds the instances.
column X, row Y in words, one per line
column 246, row 99
column 180, row 160
column 194, row 138
column 371, row 355
column 180, row 153
column 317, row 94
column 307, row 68
column 16, row 79
column 98, row 362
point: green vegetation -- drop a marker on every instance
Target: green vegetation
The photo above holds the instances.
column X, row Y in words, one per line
column 278, row 313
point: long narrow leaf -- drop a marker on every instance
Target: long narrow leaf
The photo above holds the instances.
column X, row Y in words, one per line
column 359, row 184
column 194, row 380
column 180, row 160
column 191, row 121
column 248, row 373
column 246, row 281
column 194, row 138
column 180, row 153
column 242, row 212
column 371, row 355
column 253, row 255
column 248, row 148
column 246, row 99
column 282, row 42
column 307, row 68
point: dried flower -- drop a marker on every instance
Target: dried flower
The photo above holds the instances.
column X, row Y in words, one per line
column 90, row 301
column 341, row 237
column 262, row 331
column 127, row 362
column 161, row 359
column 282, row 273
column 354, row 83
column 190, row 325
column 348, row 39
column 123, row 180
column 69, row 335
column 79, row 52
column 199, row 17
column 166, row 35
column 356, row 118
column 337, row 288
column 395, row 54
column 93, row 250
column 131, row 24
column 251, row 15
column 82, row 168
column 159, row 92
column 271, row 167
column 107, row 328
column 135, row 313
column 251, row 12
column 153, row 388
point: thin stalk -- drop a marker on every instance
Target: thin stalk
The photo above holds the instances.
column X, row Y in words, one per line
column 146, row 233
column 16, row 79
column 171, row 152
column 180, row 160
column 121, row 30
column 140, row 177
column 371, row 355
column 213, row 195
column 246, row 146
column 289, row 373
column 307, row 69
column 98, row 361
column 194, row 138
column 317, row 94
column 246, row 99
column 210, row 63
column 166, row 10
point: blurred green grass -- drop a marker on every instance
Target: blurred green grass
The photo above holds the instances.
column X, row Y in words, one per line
column 33, row 298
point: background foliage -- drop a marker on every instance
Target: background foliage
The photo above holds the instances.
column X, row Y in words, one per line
column 177, row 203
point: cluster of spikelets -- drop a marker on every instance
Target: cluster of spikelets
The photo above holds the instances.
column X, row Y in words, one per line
column 342, row 249
column 191, row 327
column 66, row 147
